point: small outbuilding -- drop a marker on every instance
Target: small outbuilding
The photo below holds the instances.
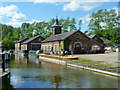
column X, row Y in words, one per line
column 18, row 44
column 33, row 43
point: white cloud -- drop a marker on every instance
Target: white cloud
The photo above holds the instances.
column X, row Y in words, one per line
column 18, row 17
column 12, row 12
column 8, row 11
column 54, row 1
column 75, row 5
column 18, row 24
column 85, row 18
column 32, row 21
column 15, row 24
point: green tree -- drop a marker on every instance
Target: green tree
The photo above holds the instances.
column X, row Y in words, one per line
column 66, row 24
column 79, row 24
column 72, row 24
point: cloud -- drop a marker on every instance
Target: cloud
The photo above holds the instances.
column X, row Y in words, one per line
column 12, row 12
column 54, row 1
column 32, row 21
column 8, row 11
column 18, row 17
column 14, row 24
column 18, row 24
column 75, row 5
column 86, row 18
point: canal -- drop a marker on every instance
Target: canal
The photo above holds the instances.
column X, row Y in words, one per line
column 30, row 73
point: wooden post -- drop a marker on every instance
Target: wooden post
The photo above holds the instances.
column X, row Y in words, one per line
column 3, row 62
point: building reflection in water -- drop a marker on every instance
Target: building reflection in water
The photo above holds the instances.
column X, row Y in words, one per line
column 56, row 80
column 19, row 59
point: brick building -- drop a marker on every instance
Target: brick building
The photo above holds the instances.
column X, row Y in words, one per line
column 74, row 41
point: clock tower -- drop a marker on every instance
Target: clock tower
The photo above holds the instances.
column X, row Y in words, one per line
column 56, row 28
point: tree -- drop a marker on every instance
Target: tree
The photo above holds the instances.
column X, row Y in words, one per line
column 66, row 24
column 106, row 24
column 96, row 19
column 79, row 24
column 72, row 24
column 24, row 30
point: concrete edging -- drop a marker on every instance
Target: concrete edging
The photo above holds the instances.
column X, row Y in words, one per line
column 7, row 72
column 73, row 65
column 95, row 70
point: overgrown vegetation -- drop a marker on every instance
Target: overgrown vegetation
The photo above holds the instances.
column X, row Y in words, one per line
column 90, row 62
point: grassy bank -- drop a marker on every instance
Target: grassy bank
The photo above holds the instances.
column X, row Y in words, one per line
column 90, row 62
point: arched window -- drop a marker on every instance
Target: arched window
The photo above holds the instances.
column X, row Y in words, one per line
column 78, row 37
column 77, row 45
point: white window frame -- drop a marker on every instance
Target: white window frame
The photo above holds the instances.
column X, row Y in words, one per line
column 55, row 48
column 46, row 48
column 43, row 48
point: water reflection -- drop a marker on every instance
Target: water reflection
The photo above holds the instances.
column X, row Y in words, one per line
column 30, row 73
column 6, row 84
column 56, row 80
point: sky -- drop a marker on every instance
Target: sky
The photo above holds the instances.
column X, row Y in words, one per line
column 15, row 12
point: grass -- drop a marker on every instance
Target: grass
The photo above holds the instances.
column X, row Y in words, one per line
column 90, row 62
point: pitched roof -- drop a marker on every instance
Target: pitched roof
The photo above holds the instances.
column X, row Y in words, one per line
column 59, row 36
column 104, row 39
column 22, row 40
column 30, row 39
column 91, row 36
column 63, row 36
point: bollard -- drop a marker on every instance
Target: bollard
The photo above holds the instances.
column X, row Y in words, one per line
column 3, row 62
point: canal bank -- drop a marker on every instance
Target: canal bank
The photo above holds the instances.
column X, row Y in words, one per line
column 4, row 74
column 30, row 73
column 70, row 63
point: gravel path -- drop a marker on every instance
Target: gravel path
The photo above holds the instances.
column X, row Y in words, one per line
column 108, row 57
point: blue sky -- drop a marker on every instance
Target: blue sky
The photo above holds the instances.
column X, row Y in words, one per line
column 15, row 13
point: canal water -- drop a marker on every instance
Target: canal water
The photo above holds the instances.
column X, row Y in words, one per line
column 30, row 73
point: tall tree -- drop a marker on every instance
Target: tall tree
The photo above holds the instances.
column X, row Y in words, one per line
column 72, row 24
column 79, row 24
column 66, row 24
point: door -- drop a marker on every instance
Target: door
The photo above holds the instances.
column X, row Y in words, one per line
column 77, row 48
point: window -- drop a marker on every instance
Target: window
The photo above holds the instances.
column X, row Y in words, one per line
column 77, row 45
column 95, row 47
column 85, row 47
column 43, row 48
column 49, row 48
column 95, row 38
column 59, row 48
column 46, row 48
column 55, row 48
column 40, row 39
column 78, row 37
